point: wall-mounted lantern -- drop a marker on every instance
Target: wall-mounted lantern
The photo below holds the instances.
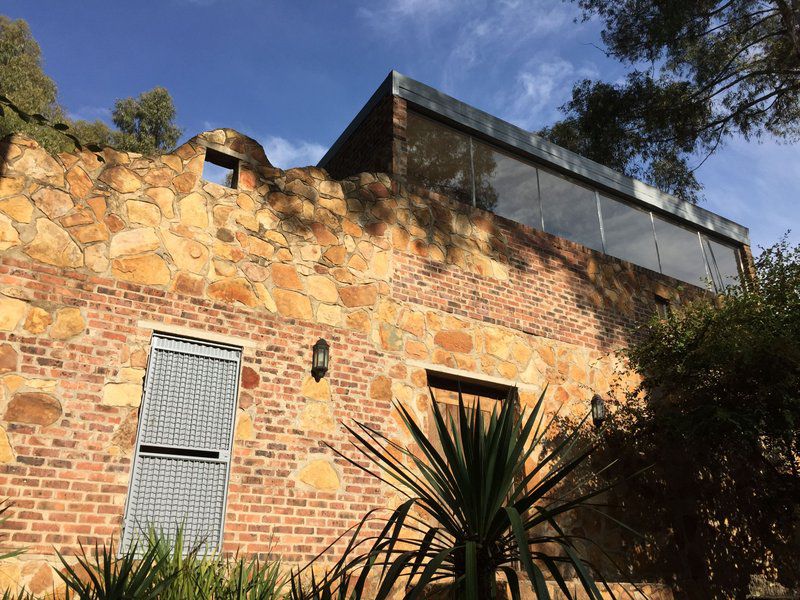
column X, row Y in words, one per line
column 598, row 410
column 319, row 360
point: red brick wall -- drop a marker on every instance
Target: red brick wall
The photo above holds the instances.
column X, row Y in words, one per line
column 394, row 281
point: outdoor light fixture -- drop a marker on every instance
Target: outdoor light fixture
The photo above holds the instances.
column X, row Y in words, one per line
column 319, row 361
column 598, row 410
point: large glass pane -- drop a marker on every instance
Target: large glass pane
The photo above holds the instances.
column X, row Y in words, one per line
column 569, row 210
column 505, row 185
column 723, row 263
column 629, row 233
column 679, row 250
column 438, row 158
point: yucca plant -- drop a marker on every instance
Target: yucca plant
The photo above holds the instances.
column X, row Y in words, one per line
column 5, row 508
column 473, row 511
column 105, row 576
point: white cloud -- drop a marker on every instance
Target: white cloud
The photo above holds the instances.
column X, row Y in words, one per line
column 539, row 90
column 285, row 153
column 90, row 113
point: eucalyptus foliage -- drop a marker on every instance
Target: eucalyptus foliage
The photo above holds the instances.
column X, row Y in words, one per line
column 699, row 72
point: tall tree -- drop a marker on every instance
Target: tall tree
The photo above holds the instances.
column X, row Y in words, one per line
column 700, row 71
column 23, row 81
column 146, row 124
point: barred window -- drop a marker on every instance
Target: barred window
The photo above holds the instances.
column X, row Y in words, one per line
column 183, row 447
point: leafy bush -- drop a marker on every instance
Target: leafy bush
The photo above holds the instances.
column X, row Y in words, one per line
column 717, row 417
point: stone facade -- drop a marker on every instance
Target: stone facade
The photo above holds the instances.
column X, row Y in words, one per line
column 96, row 255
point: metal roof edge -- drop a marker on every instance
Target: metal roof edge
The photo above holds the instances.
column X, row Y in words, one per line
column 494, row 128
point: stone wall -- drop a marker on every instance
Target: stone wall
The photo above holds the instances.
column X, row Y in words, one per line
column 96, row 255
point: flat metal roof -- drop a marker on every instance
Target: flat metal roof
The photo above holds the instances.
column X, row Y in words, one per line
column 541, row 151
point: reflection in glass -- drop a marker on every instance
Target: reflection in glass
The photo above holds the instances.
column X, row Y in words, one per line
column 628, row 233
column 506, row 186
column 438, row 158
column 679, row 250
column 722, row 262
column 569, row 210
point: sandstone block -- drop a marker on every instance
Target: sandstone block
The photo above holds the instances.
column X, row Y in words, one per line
column 18, row 208
column 11, row 185
column 121, row 179
column 293, row 304
column 11, row 313
column 285, row 276
column 164, row 198
column 322, row 289
column 187, row 254
column 244, row 426
column 134, row 241
column 193, row 211
column 9, row 237
column 186, row 283
column 250, row 378
column 454, row 341
column 321, row 475
column 6, row 451
column 143, row 213
column 8, row 358
column 381, row 388
column 79, row 182
column 122, row 394
column 233, row 289
column 316, row 390
column 33, row 408
column 149, row 269
column 96, row 257
column 317, row 416
column 69, row 323
column 359, row 295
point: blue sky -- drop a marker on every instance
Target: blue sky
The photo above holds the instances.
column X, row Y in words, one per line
column 293, row 74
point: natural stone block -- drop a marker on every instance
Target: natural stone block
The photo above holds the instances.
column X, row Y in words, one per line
column 69, row 323
column 122, row 394
column 121, row 179
column 234, row 289
column 381, row 388
column 454, row 341
column 321, row 475
column 79, row 182
column 11, row 313
column 8, row 358
column 164, row 198
column 33, row 408
column 52, row 245
column 134, row 241
column 322, row 289
column 359, row 295
column 18, row 208
column 9, row 237
column 250, row 378
column 316, row 390
column 6, row 451
column 292, row 304
column 323, row 235
column 149, row 269
column 285, row 276
column 244, row 426
column 96, row 257
column 37, row 320
column 330, row 314
column 187, row 254
column 87, row 234
column 143, row 213
column 11, row 185
column 317, row 416
column 193, row 211
column 336, row 254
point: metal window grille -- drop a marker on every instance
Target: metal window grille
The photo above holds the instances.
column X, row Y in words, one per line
column 183, row 446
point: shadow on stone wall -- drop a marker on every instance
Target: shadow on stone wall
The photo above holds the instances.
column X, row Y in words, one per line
column 713, row 522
